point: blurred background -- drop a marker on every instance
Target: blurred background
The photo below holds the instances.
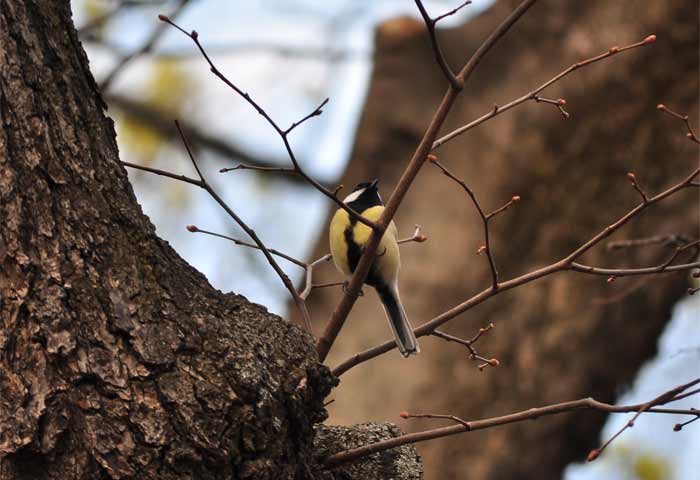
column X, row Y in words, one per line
column 558, row 339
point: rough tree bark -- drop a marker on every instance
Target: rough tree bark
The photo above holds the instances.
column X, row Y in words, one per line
column 117, row 359
column 556, row 339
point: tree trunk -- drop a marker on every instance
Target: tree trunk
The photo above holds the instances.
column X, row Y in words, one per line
column 117, row 359
column 563, row 337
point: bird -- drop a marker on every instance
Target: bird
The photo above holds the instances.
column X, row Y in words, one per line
column 348, row 238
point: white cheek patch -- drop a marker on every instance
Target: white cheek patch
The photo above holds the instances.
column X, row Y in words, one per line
column 353, row 196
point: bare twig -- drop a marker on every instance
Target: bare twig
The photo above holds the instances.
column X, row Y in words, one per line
column 485, row 218
column 473, row 354
column 430, row 24
column 530, row 414
column 195, row 229
column 283, row 133
column 674, row 240
column 666, row 397
column 309, row 274
column 684, row 118
column 633, row 180
column 160, row 121
column 532, row 95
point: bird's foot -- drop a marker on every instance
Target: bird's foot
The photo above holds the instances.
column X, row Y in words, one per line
column 361, row 293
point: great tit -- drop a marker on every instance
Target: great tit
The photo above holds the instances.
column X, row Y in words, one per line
column 348, row 238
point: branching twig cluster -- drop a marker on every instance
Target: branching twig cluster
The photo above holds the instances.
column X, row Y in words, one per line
column 469, row 344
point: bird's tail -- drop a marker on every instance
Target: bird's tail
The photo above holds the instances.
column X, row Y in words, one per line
column 405, row 338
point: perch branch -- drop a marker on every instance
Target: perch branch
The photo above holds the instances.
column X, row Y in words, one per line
column 340, row 314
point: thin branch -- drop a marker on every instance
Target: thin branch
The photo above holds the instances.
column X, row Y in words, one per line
column 342, row 310
column 664, row 240
column 566, row 263
column 485, row 218
column 430, row 24
column 626, row 272
column 156, row 34
column 530, row 414
column 684, row 118
column 469, row 344
column 195, row 229
column 160, row 121
column 283, row 134
column 633, row 180
column 531, row 96
column 309, row 275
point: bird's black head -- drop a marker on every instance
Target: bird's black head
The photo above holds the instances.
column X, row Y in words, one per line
column 364, row 196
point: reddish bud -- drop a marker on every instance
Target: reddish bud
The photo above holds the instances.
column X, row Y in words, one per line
column 661, row 106
column 163, row 18
column 677, row 427
column 421, row 238
column 481, row 250
column 650, row 39
column 404, row 415
column 194, row 35
column 432, row 158
column 192, row 228
column 632, row 178
column 561, row 101
column 614, row 49
column 593, row 454
column 611, row 279
column 494, row 362
column 492, row 325
column 696, row 274
column 691, row 291
column 516, row 198
column 689, row 135
column 482, row 330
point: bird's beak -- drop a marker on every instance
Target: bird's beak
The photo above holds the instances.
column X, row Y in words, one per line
column 374, row 183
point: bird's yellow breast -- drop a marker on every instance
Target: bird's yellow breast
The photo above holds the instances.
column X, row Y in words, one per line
column 387, row 261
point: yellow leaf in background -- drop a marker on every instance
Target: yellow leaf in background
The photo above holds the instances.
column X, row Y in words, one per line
column 650, row 467
column 143, row 140
column 169, row 86
column 94, row 11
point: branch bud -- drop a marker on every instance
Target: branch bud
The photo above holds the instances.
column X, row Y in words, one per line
column 421, row 238
column 163, row 18
column 611, row 279
column 632, row 178
column 592, row 455
column 404, row 415
column 192, row 228
column 677, row 427
column 689, row 135
column 194, row 35
column 432, row 158
column 561, row 101
column 650, row 39
column 481, row 250
column 494, row 362
column 614, row 49
column 515, row 199
column 661, row 106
